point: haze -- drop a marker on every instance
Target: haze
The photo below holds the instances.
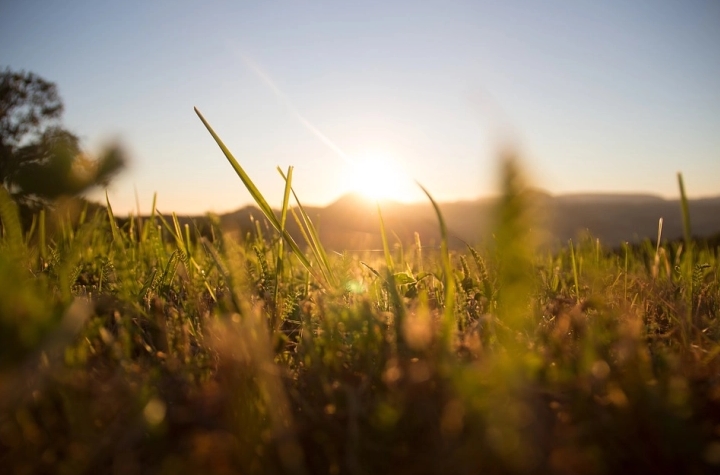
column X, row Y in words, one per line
column 597, row 96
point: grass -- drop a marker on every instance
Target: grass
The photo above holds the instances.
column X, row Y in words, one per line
column 148, row 348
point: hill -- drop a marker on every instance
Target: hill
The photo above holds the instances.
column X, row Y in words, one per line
column 351, row 222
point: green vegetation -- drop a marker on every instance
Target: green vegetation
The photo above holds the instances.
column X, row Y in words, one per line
column 147, row 348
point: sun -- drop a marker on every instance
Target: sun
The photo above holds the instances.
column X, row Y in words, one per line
column 379, row 177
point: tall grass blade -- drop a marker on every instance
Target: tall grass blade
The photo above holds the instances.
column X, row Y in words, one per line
column 113, row 224
column 386, row 248
column 395, row 298
column 188, row 240
column 257, row 196
column 449, row 323
column 687, row 232
column 31, row 231
column 656, row 259
column 10, row 220
column 689, row 258
column 418, row 251
column 575, row 270
column 41, row 235
column 286, row 196
column 254, row 192
column 514, row 253
column 627, row 257
column 179, row 235
column 280, row 247
column 313, row 239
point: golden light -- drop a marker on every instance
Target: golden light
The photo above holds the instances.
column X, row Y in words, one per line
column 379, row 177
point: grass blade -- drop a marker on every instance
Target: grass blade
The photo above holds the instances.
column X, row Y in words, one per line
column 10, row 220
column 42, row 239
column 113, row 224
column 397, row 302
column 313, row 239
column 257, row 196
column 575, row 270
column 685, row 212
column 449, row 324
column 254, row 192
column 514, row 251
column 386, row 248
column 280, row 250
column 689, row 258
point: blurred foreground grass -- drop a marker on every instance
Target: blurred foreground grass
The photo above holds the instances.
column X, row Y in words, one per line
column 152, row 349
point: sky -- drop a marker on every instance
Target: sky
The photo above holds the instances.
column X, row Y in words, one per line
column 370, row 96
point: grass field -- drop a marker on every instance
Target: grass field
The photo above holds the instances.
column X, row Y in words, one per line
column 151, row 349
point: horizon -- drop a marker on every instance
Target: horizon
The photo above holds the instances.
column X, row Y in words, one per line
column 610, row 99
column 372, row 203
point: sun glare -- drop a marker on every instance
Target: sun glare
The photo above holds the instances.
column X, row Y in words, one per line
column 379, row 177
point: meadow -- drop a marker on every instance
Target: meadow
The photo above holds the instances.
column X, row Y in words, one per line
column 153, row 348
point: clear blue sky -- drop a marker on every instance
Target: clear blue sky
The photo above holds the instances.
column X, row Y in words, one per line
column 609, row 96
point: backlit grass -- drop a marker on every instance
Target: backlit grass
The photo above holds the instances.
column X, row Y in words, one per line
column 148, row 348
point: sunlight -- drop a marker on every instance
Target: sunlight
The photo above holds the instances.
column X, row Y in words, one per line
column 379, row 177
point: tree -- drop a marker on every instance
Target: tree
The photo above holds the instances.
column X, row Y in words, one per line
column 39, row 160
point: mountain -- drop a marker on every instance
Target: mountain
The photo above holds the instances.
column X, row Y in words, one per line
column 351, row 222
column 632, row 219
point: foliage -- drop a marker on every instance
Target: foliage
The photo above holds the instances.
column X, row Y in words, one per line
column 147, row 348
column 39, row 160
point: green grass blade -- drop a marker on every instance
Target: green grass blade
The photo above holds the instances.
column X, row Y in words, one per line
column 514, row 254
column 178, row 232
column 314, row 242
column 687, row 232
column 256, row 195
column 10, row 218
column 449, row 324
column 575, row 270
column 395, row 298
column 689, row 258
column 254, row 191
column 169, row 228
column 33, row 226
column 286, row 196
column 188, row 240
column 386, row 247
column 280, row 248
column 42, row 236
column 113, row 224
column 149, row 225
column 626, row 245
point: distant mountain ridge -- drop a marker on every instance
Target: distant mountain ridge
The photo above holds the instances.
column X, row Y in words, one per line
column 351, row 222
column 610, row 198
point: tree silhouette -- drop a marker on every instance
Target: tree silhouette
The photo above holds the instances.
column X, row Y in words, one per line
column 39, row 160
